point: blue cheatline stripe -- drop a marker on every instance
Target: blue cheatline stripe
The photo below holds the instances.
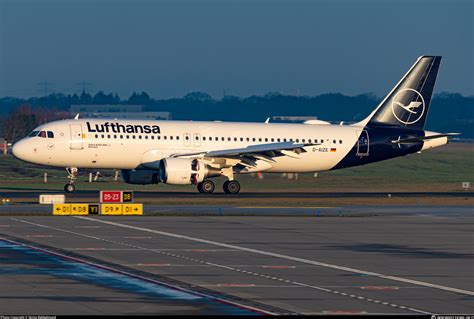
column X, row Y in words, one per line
column 48, row 263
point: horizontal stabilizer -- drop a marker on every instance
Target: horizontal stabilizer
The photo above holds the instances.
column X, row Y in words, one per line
column 423, row 138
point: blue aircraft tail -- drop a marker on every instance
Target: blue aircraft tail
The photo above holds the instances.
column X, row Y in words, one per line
column 407, row 105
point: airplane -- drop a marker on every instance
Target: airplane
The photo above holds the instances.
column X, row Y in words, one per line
column 192, row 152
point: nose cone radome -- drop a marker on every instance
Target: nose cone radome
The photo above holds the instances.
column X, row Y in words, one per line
column 19, row 150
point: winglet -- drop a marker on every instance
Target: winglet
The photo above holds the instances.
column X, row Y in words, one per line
column 77, row 116
column 267, row 120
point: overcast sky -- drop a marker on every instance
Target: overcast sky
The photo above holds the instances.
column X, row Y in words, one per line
column 169, row 48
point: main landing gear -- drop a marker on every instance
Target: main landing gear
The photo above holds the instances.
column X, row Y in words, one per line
column 208, row 187
column 72, row 175
column 231, row 187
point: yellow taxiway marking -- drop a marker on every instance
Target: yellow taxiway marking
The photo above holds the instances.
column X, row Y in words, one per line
column 302, row 207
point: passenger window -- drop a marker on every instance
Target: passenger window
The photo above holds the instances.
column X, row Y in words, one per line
column 139, row 137
column 253, row 139
column 97, row 136
column 153, row 137
column 133, row 136
column 171, row 137
column 340, row 141
column 248, row 139
column 273, row 140
column 177, row 137
column 146, row 137
column 203, row 138
column 334, row 141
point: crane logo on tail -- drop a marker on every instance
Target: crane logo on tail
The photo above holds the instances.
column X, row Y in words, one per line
column 408, row 106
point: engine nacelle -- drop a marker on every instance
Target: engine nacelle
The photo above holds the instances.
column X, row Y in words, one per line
column 142, row 177
column 185, row 171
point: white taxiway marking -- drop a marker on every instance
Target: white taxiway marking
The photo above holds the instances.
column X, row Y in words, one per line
column 301, row 260
column 332, row 291
column 137, row 276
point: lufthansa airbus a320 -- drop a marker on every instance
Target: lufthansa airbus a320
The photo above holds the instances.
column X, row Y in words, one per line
column 187, row 152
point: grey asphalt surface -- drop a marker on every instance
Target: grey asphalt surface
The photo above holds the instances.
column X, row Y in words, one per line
column 140, row 195
column 392, row 260
column 316, row 211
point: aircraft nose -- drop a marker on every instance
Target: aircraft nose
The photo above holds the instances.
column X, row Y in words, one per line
column 19, row 149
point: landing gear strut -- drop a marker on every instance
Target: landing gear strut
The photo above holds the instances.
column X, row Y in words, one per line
column 72, row 175
column 231, row 187
column 206, row 186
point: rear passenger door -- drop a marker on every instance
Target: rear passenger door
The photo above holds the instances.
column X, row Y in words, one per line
column 363, row 144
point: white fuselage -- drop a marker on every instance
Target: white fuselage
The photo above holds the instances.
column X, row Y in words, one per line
column 82, row 145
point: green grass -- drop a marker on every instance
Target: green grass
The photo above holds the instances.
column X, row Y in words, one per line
column 441, row 169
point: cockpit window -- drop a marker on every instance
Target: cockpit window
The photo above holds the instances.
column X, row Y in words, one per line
column 42, row 134
column 50, row 134
column 34, row 133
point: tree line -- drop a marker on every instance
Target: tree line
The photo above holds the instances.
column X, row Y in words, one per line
column 449, row 112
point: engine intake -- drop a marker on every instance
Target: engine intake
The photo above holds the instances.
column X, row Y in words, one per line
column 185, row 171
column 141, row 177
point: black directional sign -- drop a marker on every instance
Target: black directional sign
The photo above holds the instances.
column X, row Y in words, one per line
column 93, row 209
column 127, row 196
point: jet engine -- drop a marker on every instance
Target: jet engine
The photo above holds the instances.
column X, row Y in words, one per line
column 143, row 177
column 185, row 171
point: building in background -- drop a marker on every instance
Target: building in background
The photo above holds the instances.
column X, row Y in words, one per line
column 131, row 112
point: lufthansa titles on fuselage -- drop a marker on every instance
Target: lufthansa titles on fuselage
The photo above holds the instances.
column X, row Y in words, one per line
column 121, row 128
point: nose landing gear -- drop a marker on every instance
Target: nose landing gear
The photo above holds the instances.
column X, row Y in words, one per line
column 72, row 175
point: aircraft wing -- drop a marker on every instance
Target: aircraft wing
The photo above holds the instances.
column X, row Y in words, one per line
column 259, row 151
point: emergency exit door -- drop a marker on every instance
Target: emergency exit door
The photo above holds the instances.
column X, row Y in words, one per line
column 76, row 141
